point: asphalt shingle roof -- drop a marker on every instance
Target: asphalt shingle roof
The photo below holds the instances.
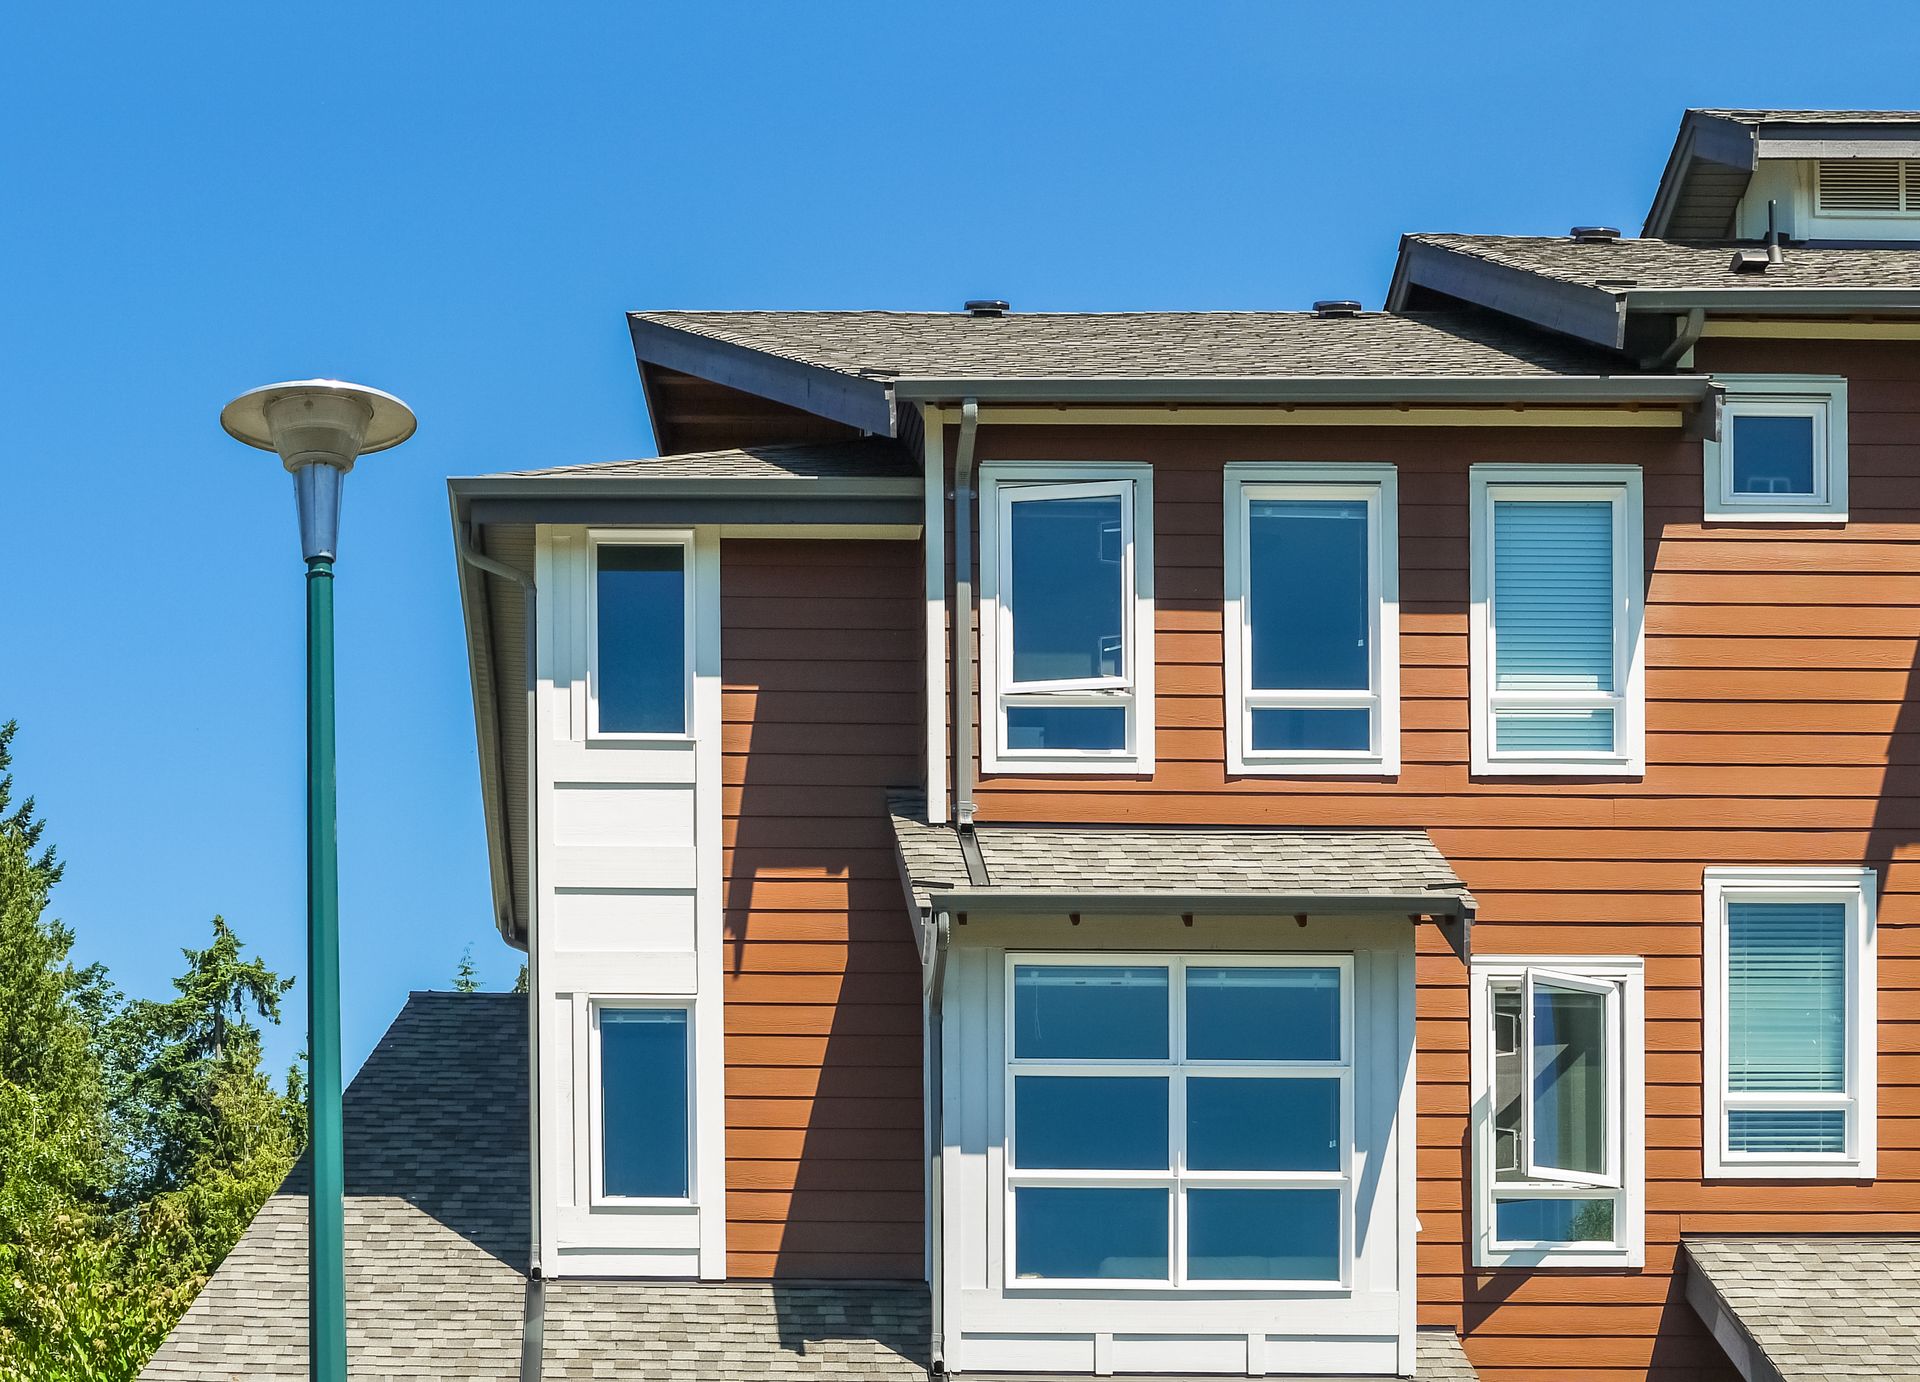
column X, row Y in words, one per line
column 838, row 460
column 1820, row 1308
column 1816, row 117
column 1624, row 265
column 1145, row 345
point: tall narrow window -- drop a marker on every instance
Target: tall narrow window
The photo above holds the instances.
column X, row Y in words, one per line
column 641, row 637
column 1557, row 1077
column 1312, row 619
column 642, row 1103
column 1781, row 456
column 1790, row 1022
column 1067, row 619
column 1557, row 670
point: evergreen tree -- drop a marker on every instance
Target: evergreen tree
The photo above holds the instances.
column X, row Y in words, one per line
column 466, row 979
column 520, row 983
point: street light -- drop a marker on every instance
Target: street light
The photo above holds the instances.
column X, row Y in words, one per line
column 320, row 427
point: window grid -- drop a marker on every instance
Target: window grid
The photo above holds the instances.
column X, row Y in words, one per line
column 1177, row 1068
column 639, row 537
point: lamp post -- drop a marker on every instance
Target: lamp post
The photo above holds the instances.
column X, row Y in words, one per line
column 319, row 427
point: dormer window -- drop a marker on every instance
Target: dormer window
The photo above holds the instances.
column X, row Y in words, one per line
column 1782, row 452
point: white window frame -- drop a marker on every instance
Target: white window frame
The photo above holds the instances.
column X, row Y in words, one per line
column 1378, row 487
column 1823, row 398
column 598, row 1197
column 598, row 538
column 1623, row 979
column 1856, row 889
column 1620, row 486
column 1003, row 484
column 1177, row 1179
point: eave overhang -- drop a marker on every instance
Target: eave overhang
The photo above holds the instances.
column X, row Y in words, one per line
column 883, row 501
column 1352, row 390
column 860, row 402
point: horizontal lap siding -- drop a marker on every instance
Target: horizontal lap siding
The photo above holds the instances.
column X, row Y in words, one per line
column 821, row 713
column 1780, row 670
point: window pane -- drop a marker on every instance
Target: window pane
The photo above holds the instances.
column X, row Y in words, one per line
column 1066, row 596
column 642, row 612
column 1307, row 594
column 1090, row 1234
column 1786, row 997
column 1569, row 1064
column 1065, row 1122
column 1067, row 727
column 1553, row 1221
column 1263, row 1124
column 643, row 1102
column 1772, row 455
column 1089, row 1012
column 1553, row 595
column 1246, row 1013
column 1263, row 1235
column 1507, row 1076
column 1276, row 730
column 1545, row 731
column 1786, row 1130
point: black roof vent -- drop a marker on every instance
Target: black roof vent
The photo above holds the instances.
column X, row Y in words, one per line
column 1594, row 235
column 987, row 307
column 1749, row 262
column 1336, row 307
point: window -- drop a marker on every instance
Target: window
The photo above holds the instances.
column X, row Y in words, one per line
column 1312, row 619
column 1556, row 640
column 642, row 646
column 1067, row 618
column 1180, row 1122
column 1559, row 1146
column 1789, row 1009
column 642, row 1129
column 1782, row 452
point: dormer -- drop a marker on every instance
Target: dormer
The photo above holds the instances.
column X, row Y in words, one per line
column 1829, row 176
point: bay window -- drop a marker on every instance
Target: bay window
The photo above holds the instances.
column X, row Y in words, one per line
column 1781, row 456
column 1789, row 1010
column 1066, row 618
column 1312, row 619
column 1557, row 664
column 1180, row 1121
column 1558, row 1111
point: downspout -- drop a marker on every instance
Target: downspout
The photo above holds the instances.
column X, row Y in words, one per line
column 463, row 543
column 942, row 924
column 1686, row 334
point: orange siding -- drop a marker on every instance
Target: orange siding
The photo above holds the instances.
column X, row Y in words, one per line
column 821, row 664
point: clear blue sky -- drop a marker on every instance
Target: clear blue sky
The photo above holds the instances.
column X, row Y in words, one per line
column 458, row 201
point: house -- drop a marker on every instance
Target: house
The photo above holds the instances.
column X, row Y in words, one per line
column 1322, row 843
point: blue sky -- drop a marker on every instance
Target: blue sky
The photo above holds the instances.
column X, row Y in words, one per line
column 457, row 203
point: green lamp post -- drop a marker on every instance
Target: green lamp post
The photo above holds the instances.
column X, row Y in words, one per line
column 319, row 427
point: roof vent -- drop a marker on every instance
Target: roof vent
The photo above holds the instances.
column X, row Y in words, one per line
column 1750, row 261
column 1336, row 307
column 987, row 307
column 1594, row 235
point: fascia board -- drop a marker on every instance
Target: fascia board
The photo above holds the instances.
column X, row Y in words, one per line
column 851, row 399
column 1578, row 310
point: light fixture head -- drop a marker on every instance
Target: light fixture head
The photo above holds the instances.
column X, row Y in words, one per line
column 318, row 428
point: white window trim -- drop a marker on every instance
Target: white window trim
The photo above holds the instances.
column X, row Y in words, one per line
column 1821, row 397
column 1378, row 486
column 1133, row 691
column 598, row 1197
column 1626, row 1108
column 639, row 537
column 1857, row 888
column 1177, row 1177
column 1619, row 485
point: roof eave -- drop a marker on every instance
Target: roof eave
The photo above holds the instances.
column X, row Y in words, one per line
column 1703, row 137
column 1330, row 389
column 858, row 401
column 1458, row 904
column 878, row 501
column 1782, row 300
column 1579, row 310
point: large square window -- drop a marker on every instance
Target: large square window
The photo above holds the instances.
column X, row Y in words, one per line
column 1781, row 456
column 641, row 648
column 1312, row 619
column 1180, row 1121
column 1067, row 618
column 642, row 1104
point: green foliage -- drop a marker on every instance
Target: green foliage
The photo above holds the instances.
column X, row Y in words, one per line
column 520, row 984
column 466, row 979
column 136, row 1140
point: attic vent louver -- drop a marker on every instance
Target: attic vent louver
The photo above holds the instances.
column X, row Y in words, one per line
column 987, row 307
column 1336, row 307
column 1869, row 186
column 1594, row 235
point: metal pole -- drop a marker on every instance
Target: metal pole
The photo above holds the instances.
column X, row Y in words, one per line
column 326, row 1229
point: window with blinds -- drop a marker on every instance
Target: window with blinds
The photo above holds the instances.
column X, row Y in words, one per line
column 1789, row 1017
column 1867, row 187
column 1557, row 568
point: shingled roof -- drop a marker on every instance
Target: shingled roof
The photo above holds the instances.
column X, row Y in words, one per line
column 864, row 459
column 1625, row 265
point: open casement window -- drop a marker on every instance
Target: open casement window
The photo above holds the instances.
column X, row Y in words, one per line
column 1066, row 618
column 1557, row 664
column 640, row 653
column 1782, row 452
column 1558, row 1112
column 1790, row 1012
column 1180, row 1122
column 1312, row 619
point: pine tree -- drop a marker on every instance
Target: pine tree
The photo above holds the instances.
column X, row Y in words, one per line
column 466, row 979
column 520, row 983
